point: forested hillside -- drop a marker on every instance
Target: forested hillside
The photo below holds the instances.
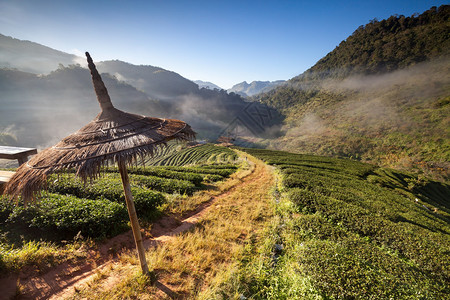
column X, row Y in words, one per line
column 381, row 96
column 387, row 45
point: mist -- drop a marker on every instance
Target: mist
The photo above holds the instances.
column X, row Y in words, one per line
column 39, row 110
column 369, row 100
column 31, row 57
column 398, row 119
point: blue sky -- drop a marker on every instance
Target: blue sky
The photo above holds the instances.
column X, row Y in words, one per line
column 224, row 42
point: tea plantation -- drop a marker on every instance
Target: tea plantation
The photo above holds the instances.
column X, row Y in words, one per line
column 343, row 229
column 97, row 209
column 207, row 153
column 349, row 230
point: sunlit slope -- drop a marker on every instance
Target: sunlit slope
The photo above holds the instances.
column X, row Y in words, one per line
column 382, row 96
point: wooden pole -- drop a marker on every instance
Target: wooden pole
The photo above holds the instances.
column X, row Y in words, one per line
column 133, row 216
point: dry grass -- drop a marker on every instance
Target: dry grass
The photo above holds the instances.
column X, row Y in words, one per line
column 118, row 281
column 186, row 265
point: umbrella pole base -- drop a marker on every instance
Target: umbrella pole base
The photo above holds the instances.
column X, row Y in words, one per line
column 133, row 216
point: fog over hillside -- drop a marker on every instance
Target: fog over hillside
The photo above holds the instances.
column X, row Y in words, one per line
column 32, row 57
column 381, row 96
column 40, row 110
column 399, row 119
column 40, row 105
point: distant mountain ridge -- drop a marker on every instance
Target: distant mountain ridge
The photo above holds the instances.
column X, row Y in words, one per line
column 34, row 95
column 32, row 57
column 255, row 87
column 207, row 84
column 154, row 81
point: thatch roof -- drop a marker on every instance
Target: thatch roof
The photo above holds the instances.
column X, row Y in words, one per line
column 112, row 136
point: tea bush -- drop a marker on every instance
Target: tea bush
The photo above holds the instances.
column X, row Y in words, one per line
column 217, row 166
column 108, row 186
column 165, row 173
column 6, row 208
column 67, row 215
column 165, row 185
column 202, row 170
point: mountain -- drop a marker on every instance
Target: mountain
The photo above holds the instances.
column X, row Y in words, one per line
column 207, row 85
column 154, row 81
column 255, row 87
column 32, row 57
column 40, row 106
column 40, row 110
column 387, row 45
column 212, row 113
column 382, row 96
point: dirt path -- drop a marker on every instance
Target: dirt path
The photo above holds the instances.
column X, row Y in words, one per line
column 62, row 281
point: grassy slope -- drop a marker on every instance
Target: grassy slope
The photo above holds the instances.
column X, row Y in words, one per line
column 348, row 230
column 381, row 96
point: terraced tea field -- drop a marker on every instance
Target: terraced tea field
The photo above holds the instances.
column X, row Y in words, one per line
column 328, row 228
column 206, row 154
column 97, row 209
column 348, row 230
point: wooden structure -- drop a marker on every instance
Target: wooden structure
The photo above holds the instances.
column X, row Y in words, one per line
column 19, row 153
column 5, row 176
column 114, row 136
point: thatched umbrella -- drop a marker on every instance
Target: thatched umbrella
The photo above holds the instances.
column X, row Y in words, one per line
column 113, row 136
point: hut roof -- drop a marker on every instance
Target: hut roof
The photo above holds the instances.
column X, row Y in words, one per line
column 112, row 136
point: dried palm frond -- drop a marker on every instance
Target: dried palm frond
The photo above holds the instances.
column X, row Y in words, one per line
column 112, row 136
